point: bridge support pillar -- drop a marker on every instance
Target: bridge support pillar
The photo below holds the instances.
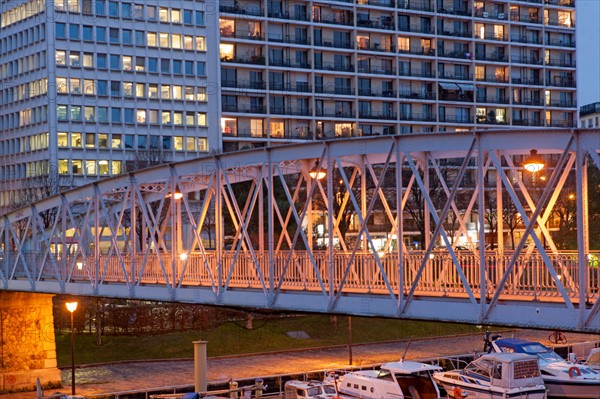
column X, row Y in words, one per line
column 28, row 348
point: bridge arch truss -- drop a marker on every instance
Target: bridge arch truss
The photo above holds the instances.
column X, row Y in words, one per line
column 260, row 229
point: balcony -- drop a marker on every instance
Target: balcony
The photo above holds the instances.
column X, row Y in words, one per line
column 490, row 15
column 457, row 33
column 560, row 123
column 242, row 35
column 526, row 81
column 453, row 76
column 561, row 3
column 243, row 109
column 417, row 5
column 377, row 115
column 518, row 59
column 560, row 62
column 492, row 36
column 492, row 100
column 417, row 95
column 416, row 28
column 247, row 9
column 335, row 44
column 288, row 39
column 254, row 60
column 367, row 23
column 333, row 66
column 494, row 57
column 455, row 119
column 454, row 54
column 291, row 111
column 417, row 117
column 489, row 120
column 526, row 39
column 563, row 104
column 492, row 79
column 238, row 84
column 561, row 81
column 463, row 97
column 453, row 11
column 528, row 101
column 299, row 87
column 329, row 112
column 527, row 122
column 560, row 42
column 376, row 70
column 278, row 62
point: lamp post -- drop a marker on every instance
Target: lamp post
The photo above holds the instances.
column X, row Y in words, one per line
column 534, row 163
column 71, row 307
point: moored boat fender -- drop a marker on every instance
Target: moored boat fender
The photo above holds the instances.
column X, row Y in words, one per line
column 574, row 372
column 458, row 393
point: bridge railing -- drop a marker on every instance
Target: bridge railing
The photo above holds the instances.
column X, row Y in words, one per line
column 360, row 273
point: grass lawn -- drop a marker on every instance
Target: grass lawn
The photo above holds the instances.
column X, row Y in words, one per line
column 232, row 338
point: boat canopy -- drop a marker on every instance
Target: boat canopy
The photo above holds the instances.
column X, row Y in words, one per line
column 507, row 370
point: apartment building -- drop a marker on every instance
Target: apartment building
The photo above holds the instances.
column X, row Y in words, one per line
column 589, row 115
column 304, row 70
column 91, row 88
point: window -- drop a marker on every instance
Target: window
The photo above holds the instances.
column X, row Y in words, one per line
column 178, row 143
column 177, row 66
column 89, row 114
column 140, row 38
column 100, row 34
column 60, row 30
column 101, row 61
column 141, row 116
column 61, row 57
column 151, row 39
column 165, row 65
column 201, row 68
column 200, row 43
column 128, row 115
column 115, row 115
column 166, row 117
column 88, row 60
column 187, row 16
column 164, row 39
column 199, row 17
column 127, row 38
column 116, row 141
column 277, row 129
column 116, row 167
column 113, row 9
column 90, row 140
column 88, row 32
column 201, row 119
column 102, row 114
column 127, row 63
column 152, row 64
column 63, row 140
column 90, row 167
column 140, row 63
column 76, row 140
column 76, row 113
column 114, row 35
column 76, row 167
column 73, row 31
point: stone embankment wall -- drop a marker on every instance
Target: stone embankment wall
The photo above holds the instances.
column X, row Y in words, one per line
column 27, row 344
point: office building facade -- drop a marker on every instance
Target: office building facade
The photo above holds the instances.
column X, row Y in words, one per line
column 95, row 88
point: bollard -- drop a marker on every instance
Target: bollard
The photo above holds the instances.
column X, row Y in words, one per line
column 259, row 383
column 200, row 366
column 233, row 390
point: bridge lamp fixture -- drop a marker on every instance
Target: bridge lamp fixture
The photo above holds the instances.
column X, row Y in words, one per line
column 177, row 195
column 534, row 163
column 183, row 256
column 72, row 307
column 316, row 172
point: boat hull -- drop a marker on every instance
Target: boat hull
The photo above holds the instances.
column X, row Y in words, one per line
column 572, row 389
column 470, row 391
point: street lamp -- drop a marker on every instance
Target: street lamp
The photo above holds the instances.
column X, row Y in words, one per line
column 316, row 172
column 534, row 163
column 71, row 307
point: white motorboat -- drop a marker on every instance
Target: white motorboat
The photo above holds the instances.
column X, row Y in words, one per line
column 395, row 380
column 495, row 376
column 593, row 359
column 563, row 379
column 296, row 389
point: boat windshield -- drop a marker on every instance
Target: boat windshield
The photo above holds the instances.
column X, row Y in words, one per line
column 329, row 389
column 594, row 359
column 542, row 352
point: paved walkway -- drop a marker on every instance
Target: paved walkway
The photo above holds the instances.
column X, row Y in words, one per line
column 104, row 379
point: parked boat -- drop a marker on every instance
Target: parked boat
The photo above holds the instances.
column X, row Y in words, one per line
column 395, row 380
column 296, row 389
column 563, row 379
column 593, row 359
column 495, row 376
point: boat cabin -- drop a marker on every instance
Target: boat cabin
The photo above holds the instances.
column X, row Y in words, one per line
column 506, row 370
column 404, row 379
column 296, row 389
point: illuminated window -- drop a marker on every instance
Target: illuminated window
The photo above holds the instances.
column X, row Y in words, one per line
column 164, row 14
column 200, row 43
column 63, row 166
column 76, row 140
column 190, row 144
column 177, row 93
column 480, row 30
column 89, row 86
column 61, row 85
column 344, row 129
column 141, row 116
column 201, row 96
column 166, row 117
column 153, row 91
column 227, row 27
column 229, row 126
column 190, row 119
column 188, row 42
column 564, row 18
column 61, row 57
column 103, row 167
column 201, row 119
column 277, row 129
column 498, row 32
column 479, row 72
column 177, row 118
column 403, row 43
column 91, row 168
column 89, row 113
column 256, row 127
column 127, row 63
column 175, row 16
column 226, row 51
column 202, row 144
column 164, row 39
column 151, row 39
column 102, row 140
column 176, row 41
column 63, row 139
column 362, row 41
column 140, row 90
column 116, row 167
column 178, row 143
column 88, row 60
column 116, row 141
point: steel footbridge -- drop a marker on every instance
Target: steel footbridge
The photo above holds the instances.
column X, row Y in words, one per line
column 442, row 226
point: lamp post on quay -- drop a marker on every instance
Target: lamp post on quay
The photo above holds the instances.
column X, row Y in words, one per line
column 71, row 307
